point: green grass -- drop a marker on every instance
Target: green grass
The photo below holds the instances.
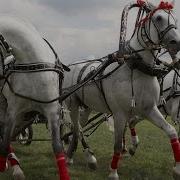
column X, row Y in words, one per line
column 152, row 161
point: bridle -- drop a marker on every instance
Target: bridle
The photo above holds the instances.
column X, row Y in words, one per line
column 161, row 33
column 143, row 26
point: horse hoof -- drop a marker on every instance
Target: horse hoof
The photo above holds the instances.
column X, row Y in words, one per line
column 113, row 175
column 69, row 161
column 131, row 151
column 113, row 178
column 124, row 151
column 91, row 160
column 176, row 173
column 92, row 166
column 18, row 173
column 125, row 156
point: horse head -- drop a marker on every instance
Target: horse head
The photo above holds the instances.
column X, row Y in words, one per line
column 157, row 27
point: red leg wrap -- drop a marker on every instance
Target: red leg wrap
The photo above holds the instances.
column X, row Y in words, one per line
column 133, row 132
column 115, row 160
column 2, row 163
column 61, row 162
column 176, row 149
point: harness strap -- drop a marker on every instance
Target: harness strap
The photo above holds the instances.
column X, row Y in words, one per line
column 56, row 56
column 34, row 67
column 164, row 32
column 82, row 71
column 100, row 86
column 79, row 79
column 104, row 96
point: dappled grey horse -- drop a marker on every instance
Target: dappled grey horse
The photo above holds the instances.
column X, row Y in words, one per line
column 31, row 80
column 131, row 88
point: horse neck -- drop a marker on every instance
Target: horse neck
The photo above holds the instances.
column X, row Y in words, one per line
column 28, row 46
column 146, row 54
column 32, row 50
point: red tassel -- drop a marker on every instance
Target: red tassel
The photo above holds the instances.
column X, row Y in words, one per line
column 61, row 162
column 115, row 160
column 176, row 149
column 2, row 163
column 165, row 5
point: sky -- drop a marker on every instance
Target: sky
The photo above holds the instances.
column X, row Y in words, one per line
column 77, row 29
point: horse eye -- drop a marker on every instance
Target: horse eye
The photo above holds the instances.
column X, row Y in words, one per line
column 159, row 18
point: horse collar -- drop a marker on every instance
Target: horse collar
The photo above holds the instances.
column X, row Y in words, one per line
column 135, row 61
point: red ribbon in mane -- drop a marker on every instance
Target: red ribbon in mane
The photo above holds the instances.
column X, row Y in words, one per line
column 163, row 5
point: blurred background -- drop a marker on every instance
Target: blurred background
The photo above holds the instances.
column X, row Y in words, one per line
column 77, row 29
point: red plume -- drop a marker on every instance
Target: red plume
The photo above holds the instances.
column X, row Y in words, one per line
column 165, row 6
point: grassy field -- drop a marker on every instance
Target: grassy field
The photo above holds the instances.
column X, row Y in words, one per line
column 153, row 160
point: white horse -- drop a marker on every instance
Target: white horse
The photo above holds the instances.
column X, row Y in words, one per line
column 34, row 80
column 170, row 107
column 126, row 85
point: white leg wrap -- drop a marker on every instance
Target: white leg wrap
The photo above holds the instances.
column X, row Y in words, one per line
column 113, row 175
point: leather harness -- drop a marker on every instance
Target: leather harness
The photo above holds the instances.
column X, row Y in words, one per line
column 11, row 67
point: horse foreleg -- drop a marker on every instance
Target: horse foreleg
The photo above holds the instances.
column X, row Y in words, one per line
column 134, row 141
column 54, row 123
column 11, row 158
column 3, row 153
column 74, row 142
column 156, row 118
column 134, row 136
column 89, row 154
column 124, row 141
column 119, row 126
